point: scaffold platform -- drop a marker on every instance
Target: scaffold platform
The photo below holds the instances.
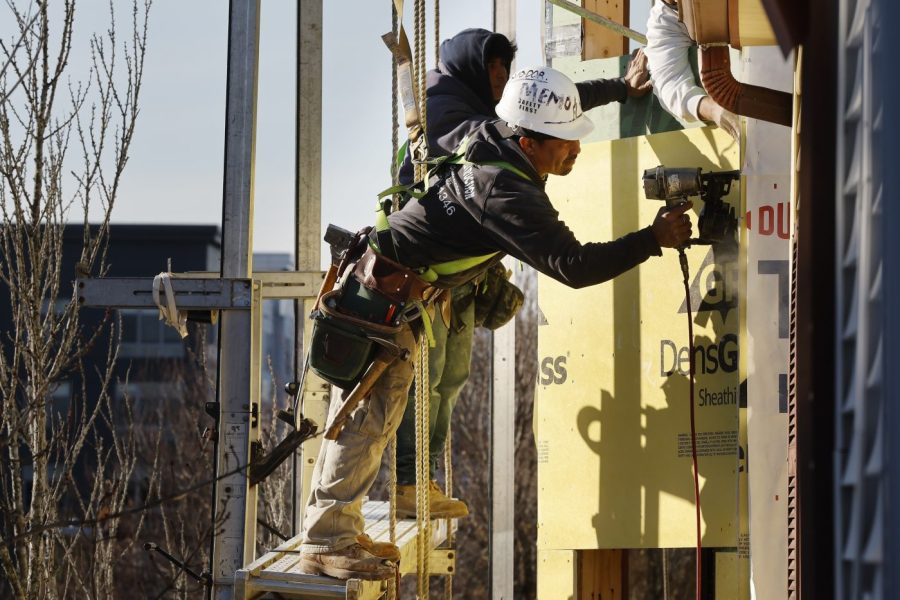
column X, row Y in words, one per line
column 275, row 574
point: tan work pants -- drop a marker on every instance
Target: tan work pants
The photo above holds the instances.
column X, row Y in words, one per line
column 347, row 467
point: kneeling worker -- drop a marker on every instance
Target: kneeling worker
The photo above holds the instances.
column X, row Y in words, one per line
column 490, row 204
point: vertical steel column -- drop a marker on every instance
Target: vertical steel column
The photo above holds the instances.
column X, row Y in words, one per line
column 235, row 507
column 503, row 412
column 315, row 391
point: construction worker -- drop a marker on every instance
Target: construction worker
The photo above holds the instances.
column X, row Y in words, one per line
column 673, row 78
column 461, row 95
column 491, row 202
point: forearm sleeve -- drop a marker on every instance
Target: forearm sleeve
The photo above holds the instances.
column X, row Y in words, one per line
column 597, row 92
column 670, row 70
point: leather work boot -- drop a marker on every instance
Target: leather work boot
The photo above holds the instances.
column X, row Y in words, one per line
column 352, row 562
column 442, row 506
column 385, row 550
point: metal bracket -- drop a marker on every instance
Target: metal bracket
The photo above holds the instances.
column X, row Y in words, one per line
column 198, row 290
column 190, row 294
column 442, row 561
column 289, row 285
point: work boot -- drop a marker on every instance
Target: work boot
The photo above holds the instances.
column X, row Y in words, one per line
column 352, row 562
column 442, row 506
column 385, row 550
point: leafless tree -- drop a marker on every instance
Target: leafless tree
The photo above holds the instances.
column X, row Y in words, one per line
column 471, row 448
column 275, row 503
column 175, row 467
column 64, row 144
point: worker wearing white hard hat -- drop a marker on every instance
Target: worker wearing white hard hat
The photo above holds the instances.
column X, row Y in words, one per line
column 485, row 203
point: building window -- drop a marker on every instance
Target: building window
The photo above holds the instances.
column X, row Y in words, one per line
column 145, row 336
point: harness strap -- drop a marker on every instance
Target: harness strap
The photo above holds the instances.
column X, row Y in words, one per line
column 385, row 243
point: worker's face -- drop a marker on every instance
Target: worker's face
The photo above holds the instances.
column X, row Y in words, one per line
column 498, row 76
column 551, row 157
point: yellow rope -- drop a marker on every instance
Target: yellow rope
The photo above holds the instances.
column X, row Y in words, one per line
column 448, row 486
column 395, row 120
column 437, row 33
column 392, row 489
column 393, row 592
column 423, row 479
column 419, row 74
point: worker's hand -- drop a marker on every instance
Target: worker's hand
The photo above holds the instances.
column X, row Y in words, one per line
column 672, row 227
column 710, row 110
column 637, row 76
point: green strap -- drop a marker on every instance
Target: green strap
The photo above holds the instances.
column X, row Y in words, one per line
column 432, row 273
column 401, row 154
column 426, row 323
column 459, row 158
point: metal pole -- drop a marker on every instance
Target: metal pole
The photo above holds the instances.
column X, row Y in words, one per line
column 314, row 395
column 235, row 507
column 503, row 412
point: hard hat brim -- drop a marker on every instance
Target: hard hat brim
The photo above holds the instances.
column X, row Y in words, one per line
column 572, row 130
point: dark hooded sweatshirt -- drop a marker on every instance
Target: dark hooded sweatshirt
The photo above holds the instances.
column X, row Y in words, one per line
column 473, row 210
column 459, row 96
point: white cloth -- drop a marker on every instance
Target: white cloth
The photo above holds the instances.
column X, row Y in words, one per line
column 169, row 312
column 667, row 53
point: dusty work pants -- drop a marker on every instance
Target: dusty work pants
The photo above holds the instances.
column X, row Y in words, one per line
column 347, row 467
column 448, row 369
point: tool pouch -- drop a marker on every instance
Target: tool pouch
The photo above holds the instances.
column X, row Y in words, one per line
column 389, row 278
column 341, row 346
column 373, row 293
column 497, row 300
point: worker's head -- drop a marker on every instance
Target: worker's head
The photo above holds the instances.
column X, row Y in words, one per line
column 499, row 53
column 549, row 155
column 481, row 60
column 543, row 106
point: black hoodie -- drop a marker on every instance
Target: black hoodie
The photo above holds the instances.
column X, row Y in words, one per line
column 475, row 210
column 459, row 96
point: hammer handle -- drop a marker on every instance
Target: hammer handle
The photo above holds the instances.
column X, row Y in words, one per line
column 327, row 283
column 382, row 361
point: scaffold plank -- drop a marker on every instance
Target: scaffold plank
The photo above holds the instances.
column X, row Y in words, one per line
column 277, row 571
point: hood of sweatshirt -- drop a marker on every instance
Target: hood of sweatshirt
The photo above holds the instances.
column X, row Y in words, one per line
column 465, row 56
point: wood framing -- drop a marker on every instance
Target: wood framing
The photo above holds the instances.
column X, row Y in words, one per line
column 599, row 41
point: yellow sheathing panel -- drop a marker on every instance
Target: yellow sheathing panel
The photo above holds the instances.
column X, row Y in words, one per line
column 556, row 575
column 609, row 418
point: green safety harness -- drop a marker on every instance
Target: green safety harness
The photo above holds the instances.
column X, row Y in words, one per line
column 384, row 242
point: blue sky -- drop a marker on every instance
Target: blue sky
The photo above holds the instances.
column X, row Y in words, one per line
column 175, row 170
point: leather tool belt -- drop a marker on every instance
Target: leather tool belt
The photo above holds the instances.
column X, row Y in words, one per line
column 374, row 294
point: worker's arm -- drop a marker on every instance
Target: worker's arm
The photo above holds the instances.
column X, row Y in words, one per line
column 520, row 219
column 635, row 83
column 667, row 51
column 711, row 111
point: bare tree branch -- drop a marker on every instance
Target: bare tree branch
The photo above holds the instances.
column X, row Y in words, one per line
column 58, row 459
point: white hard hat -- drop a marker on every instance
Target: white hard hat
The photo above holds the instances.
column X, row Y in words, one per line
column 544, row 100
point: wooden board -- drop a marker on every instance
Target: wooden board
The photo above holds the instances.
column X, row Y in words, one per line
column 599, row 41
